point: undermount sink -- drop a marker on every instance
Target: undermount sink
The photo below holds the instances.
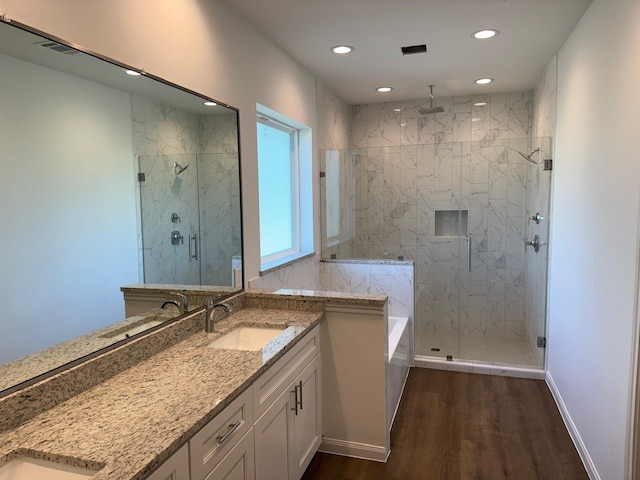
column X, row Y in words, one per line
column 30, row 468
column 247, row 338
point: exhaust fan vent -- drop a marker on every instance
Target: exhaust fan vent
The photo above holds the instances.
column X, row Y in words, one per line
column 413, row 49
column 58, row 47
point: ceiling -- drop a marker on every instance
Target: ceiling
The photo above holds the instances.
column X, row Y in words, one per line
column 24, row 45
column 531, row 32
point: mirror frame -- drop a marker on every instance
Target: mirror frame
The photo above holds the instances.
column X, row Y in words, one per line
column 117, row 344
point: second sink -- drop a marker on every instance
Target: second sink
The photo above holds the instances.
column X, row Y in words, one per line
column 247, row 338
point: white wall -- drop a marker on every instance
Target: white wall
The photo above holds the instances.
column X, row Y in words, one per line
column 203, row 45
column 54, row 246
column 594, row 242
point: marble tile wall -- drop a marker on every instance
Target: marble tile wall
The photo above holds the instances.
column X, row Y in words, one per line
column 408, row 166
column 302, row 275
column 394, row 279
column 163, row 135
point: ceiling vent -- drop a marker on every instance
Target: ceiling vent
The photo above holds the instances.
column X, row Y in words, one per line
column 413, row 49
column 58, row 47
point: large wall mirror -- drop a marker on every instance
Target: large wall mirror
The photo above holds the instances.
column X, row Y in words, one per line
column 108, row 180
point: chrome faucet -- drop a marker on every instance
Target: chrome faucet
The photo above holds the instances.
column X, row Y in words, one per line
column 209, row 322
column 182, row 303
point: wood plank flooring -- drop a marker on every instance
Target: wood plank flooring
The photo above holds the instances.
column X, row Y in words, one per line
column 459, row 426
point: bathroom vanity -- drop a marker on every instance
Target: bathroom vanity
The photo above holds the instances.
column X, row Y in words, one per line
column 192, row 410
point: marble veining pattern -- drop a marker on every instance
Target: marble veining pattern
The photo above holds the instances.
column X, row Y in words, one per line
column 209, row 146
column 466, row 158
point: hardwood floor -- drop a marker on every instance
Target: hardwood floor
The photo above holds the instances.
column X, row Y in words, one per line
column 459, row 426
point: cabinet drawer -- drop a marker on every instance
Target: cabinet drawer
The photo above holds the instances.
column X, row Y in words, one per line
column 219, row 436
column 270, row 385
column 238, row 464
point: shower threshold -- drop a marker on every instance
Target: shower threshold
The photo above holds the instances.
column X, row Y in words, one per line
column 485, row 368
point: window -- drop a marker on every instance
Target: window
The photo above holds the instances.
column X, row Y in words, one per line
column 284, row 183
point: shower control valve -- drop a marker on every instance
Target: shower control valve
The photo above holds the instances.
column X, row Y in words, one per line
column 537, row 218
column 176, row 238
column 536, row 243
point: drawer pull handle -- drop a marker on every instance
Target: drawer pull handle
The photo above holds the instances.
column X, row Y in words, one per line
column 232, row 428
column 295, row 402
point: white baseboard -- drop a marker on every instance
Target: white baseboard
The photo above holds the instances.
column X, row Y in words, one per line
column 353, row 449
column 573, row 431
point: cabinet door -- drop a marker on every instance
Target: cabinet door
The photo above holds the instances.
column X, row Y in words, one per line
column 307, row 419
column 272, row 440
column 175, row 468
column 238, row 464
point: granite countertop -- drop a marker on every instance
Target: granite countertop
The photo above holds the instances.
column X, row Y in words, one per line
column 131, row 423
column 24, row 368
column 321, row 296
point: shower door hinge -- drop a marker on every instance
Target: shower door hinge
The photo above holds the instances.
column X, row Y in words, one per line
column 141, row 177
column 548, row 164
column 542, row 342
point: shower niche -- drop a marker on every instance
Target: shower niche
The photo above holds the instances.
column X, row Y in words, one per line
column 451, row 223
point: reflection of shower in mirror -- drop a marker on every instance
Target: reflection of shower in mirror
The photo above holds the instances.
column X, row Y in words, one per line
column 178, row 169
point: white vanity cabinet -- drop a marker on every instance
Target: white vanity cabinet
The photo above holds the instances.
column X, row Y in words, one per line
column 289, row 431
column 209, row 447
column 176, row 468
column 269, row 432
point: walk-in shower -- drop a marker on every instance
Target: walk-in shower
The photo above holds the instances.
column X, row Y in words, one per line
column 190, row 218
column 460, row 212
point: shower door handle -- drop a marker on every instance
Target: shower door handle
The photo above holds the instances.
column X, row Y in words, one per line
column 193, row 246
column 469, row 252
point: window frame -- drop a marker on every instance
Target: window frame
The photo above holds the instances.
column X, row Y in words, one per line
column 296, row 224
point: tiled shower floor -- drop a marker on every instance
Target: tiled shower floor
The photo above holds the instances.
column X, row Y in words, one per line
column 511, row 351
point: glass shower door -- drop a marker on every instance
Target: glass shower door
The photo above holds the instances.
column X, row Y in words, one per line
column 170, row 219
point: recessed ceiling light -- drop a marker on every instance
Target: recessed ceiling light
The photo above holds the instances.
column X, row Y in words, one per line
column 480, row 104
column 484, row 34
column 209, row 103
column 133, row 73
column 342, row 49
column 484, row 81
column 384, row 89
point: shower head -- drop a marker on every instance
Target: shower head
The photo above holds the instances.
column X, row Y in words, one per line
column 528, row 157
column 178, row 169
column 431, row 109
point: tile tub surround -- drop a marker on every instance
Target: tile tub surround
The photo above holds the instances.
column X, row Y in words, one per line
column 134, row 421
column 391, row 278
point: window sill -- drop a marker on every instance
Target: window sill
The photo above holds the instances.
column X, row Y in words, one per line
column 284, row 262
